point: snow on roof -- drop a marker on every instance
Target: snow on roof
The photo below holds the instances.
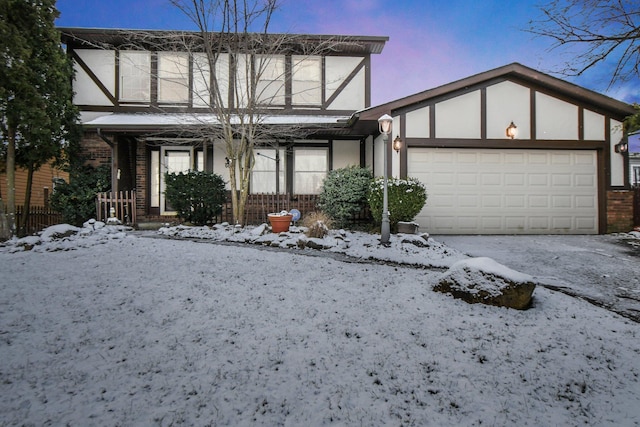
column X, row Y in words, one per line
column 145, row 120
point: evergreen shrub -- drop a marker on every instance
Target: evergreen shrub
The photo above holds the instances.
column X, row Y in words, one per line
column 76, row 200
column 406, row 198
column 344, row 193
column 196, row 196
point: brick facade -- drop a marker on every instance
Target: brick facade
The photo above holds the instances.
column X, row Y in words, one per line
column 95, row 150
column 141, row 180
column 619, row 211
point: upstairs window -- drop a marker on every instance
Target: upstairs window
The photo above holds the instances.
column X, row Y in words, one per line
column 306, row 82
column 173, row 77
column 270, row 73
column 135, row 76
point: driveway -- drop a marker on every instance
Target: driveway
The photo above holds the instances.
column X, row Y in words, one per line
column 604, row 269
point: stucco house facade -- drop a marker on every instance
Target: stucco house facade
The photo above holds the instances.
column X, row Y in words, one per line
column 141, row 110
column 560, row 173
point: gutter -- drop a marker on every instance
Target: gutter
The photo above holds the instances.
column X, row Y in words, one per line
column 104, row 138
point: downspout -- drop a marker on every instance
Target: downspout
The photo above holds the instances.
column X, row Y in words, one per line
column 114, row 160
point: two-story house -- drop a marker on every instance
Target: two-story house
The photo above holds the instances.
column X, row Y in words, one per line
column 144, row 104
column 507, row 151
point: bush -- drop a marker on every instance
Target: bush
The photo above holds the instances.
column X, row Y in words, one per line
column 196, row 196
column 76, row 200
column 344, row 193
column 406, row 199
column 318, row 224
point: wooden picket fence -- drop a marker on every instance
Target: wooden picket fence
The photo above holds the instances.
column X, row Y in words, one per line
column 260, row 205
column 122, row 202
column 40, row 217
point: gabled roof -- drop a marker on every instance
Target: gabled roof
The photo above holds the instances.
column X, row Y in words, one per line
column 518, row 72
column 102, row 37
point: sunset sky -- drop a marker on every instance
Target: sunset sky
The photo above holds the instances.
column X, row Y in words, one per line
column 431, row 42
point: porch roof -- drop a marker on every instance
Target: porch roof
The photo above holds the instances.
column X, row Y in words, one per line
column 147, row 122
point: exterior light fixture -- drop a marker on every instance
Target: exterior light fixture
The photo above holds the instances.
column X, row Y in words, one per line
column 384, row 124
column 621, row 147
column 397, row 144
column 227, row 162
column 512, row 131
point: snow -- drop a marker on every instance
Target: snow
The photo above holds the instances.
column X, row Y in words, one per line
column 467, row 275
column 228, row 326
column 123, row 119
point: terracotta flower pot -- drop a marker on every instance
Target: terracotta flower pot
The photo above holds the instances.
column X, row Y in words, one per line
column 280, row 223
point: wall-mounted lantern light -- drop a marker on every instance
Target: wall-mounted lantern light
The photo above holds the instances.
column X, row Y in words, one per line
column 512, row 130
column 397, row 144
column 621, row 147
column 227, row 162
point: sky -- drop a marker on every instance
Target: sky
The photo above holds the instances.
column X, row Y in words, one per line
column 431, row 42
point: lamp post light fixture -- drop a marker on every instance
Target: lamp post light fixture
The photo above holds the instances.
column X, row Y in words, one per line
column 384, row 123
column 512, row 131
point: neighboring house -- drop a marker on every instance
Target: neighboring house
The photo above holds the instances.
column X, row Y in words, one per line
column 44, row 181
column 561, row 172
column 634, row 169
column 139, row 108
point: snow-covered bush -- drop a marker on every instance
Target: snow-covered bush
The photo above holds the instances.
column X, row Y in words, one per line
column 344, row 193
column 406, row 199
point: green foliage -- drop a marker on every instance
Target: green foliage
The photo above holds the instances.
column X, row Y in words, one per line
column 36, row 105
column 196, row 196
column 632, row 123
column 76, row 200
column 406, row 199
column 344, row 193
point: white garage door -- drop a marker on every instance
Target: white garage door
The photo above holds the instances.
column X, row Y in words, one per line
column 485, row 191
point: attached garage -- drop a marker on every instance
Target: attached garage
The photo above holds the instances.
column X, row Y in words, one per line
column 510, row 151
column 491, row 191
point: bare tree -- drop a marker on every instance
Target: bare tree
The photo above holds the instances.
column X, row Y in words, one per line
column 592, row 32
column 239, row 77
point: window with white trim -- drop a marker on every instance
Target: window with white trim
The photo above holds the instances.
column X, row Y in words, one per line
column 306, row 80
column 135, row 76
column 269, row 163
column 310, row 169
column 173, row 77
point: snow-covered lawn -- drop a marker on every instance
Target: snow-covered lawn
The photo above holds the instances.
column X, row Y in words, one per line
column 111, row 328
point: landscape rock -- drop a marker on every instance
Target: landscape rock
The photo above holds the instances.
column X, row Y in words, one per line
column 483, row 280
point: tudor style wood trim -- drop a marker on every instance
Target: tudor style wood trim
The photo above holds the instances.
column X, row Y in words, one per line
column 342, row 86
column 94, row 78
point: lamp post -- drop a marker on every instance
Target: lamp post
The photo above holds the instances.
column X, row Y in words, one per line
column 384, row 124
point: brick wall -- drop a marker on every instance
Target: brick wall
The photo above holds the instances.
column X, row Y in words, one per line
column 141, row 180
column 95, row 150
column 619, row 211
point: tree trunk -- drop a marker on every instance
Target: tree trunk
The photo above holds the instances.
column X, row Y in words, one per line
column 11, row 182
column 24, row 219
column 4, row 227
